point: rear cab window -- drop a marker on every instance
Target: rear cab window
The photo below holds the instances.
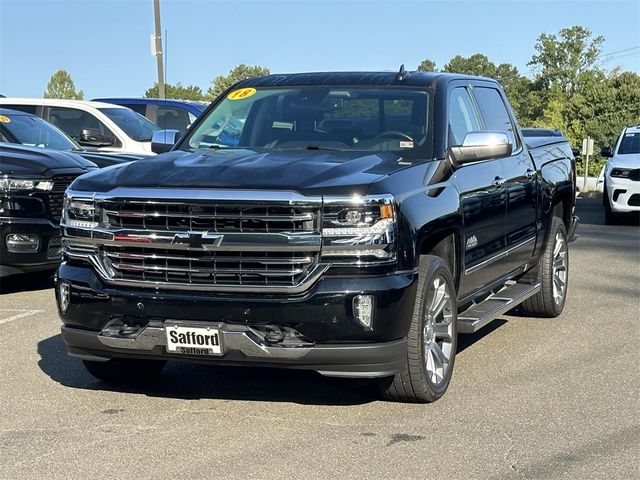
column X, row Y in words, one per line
column 495, row 114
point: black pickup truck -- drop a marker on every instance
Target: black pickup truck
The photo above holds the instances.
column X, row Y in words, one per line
column 32, row 185
column 347, row 223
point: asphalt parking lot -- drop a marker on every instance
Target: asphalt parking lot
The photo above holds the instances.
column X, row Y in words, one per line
column 529, row 398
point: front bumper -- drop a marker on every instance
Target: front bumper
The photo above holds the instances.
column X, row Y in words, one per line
column 624, row 194
column 47, row 257
column 329, row 338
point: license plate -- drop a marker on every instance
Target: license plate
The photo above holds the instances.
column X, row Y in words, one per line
column 193, row 340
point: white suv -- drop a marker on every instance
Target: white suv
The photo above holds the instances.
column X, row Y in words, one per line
column 622, row 175
column 106, row 127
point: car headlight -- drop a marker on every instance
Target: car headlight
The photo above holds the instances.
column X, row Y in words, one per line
column 11, row 184
column 80, row 213
column 621, row 172
column 360, row 229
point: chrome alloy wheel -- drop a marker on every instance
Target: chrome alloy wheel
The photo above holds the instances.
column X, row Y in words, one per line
column 437, row 332
column 559, row 268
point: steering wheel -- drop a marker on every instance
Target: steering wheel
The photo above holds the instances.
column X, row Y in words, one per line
column 393, row 134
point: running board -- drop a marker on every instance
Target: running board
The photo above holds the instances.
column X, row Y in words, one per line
column 510, row 296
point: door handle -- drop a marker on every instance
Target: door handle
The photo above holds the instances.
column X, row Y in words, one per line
column 530, row 173
column 498, row 182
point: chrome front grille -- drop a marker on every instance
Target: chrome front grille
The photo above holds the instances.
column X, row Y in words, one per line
column 143, row 264
column 210, row 217
column 227, row 241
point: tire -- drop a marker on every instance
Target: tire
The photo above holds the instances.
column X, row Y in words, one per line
column 549, row 301
column 431, row 337
column 610, row 218
column 125, row 371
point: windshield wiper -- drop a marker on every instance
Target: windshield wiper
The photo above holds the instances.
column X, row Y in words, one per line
column 320, row 147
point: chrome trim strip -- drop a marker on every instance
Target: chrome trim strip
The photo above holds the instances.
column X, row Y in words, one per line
column 194, row 195
column 233, row 241
column 497, row 257
column 312, row 276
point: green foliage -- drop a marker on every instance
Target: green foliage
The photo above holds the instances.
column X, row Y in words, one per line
column 176, row 91
column 61, row 86
column 237, row 73
column 427, row 66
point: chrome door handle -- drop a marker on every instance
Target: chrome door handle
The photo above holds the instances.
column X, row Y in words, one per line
column 498, row 182
column 530, row 173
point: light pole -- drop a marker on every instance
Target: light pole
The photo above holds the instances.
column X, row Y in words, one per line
column 158, row 48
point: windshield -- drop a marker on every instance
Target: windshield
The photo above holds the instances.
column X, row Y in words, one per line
column 340, row 118
column 133, row 124
column 630, row 144
column 34, row 132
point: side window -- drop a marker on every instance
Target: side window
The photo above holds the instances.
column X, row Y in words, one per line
column 172, row 118
column 495, row 114
column 462, row 116
column 24, row 108
column 73, row 121
column 140, row 108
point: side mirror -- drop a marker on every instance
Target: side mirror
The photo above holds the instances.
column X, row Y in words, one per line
column 481, row 146
column 92, row 137
column 576, row 151
column 164, row 140
column 606, row 152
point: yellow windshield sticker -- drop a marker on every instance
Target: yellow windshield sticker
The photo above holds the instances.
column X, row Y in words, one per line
column 4, row 119
column 241, row 93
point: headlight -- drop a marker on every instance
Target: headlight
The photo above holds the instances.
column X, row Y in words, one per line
column 10, row 184
column 621, row 172
column 359, row 228
column 80, row 213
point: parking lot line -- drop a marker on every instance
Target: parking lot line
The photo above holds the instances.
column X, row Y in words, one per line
column 25, row 313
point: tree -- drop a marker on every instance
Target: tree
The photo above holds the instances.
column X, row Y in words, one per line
column 61, row 86
column 237, row 73
column 477, row 64
column 567, row 62
column 427, row 66
column 177, row 91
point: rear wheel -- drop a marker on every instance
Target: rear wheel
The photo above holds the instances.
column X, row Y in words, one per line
column 432, row 338
column 125, row 371
column 553, row 275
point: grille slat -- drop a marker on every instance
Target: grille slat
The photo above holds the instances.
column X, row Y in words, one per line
column 211, row 217
column 56, row 195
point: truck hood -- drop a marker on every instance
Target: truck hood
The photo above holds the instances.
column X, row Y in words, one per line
column 105, row 159
column 301, row 170
column 22, row 160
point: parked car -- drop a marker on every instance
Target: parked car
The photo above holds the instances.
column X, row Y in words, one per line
column 104, row 126
column 167, row 114
column 353, row 224
column 32, row 185
column 621, row 193
column 26, row 129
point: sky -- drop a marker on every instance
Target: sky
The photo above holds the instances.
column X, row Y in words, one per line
column 105, row 44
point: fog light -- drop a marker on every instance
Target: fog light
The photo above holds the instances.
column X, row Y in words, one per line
column 363, row 309
column 22, row 243
column 64, row 296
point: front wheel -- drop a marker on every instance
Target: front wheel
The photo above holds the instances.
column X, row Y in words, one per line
column 432, row 339
column 125, row 371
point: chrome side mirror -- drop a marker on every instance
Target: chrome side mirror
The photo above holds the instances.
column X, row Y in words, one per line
column 481, row 146
column 164, row 140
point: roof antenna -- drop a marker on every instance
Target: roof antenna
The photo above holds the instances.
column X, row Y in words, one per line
column 402, row 74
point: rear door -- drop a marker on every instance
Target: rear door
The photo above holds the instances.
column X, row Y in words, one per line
column 482, row 200
column 520, row 179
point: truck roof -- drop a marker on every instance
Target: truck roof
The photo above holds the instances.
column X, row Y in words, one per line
column 423, row 79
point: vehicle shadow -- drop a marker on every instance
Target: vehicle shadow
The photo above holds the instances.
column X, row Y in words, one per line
column 590, row 209
column 195, row 381
column 26, row 283
column 468, row 339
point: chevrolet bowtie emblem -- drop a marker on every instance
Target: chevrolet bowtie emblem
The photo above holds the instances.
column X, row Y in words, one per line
column 198, row 240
